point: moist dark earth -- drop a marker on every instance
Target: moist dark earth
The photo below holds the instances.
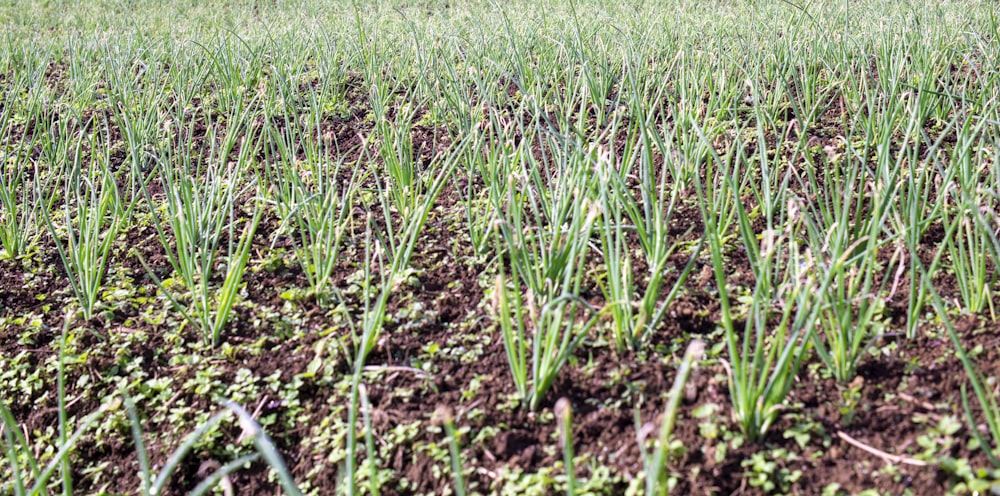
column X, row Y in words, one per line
column 441, row 348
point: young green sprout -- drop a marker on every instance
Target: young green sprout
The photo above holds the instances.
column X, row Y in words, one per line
column 564, row 416
column 444, row 416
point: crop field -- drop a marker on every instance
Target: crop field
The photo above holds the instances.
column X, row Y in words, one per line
column 311, row 247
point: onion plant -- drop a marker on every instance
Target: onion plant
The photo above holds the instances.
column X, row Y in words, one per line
column 971, row 259
column 321, row 216
column 920, row 208
column 136, row 84
column 544, row 236
column 23, row 127
column 311, row 194
column 395, row 146
column 649, row 219
column 847, row 246
column 91, row 222
column 491, row 165
column 17, row 219
column 200, row 208
column 237, row 71
column 765, row 357
column 970, row 250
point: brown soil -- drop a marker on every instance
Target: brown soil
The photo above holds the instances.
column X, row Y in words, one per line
column 897, row 398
